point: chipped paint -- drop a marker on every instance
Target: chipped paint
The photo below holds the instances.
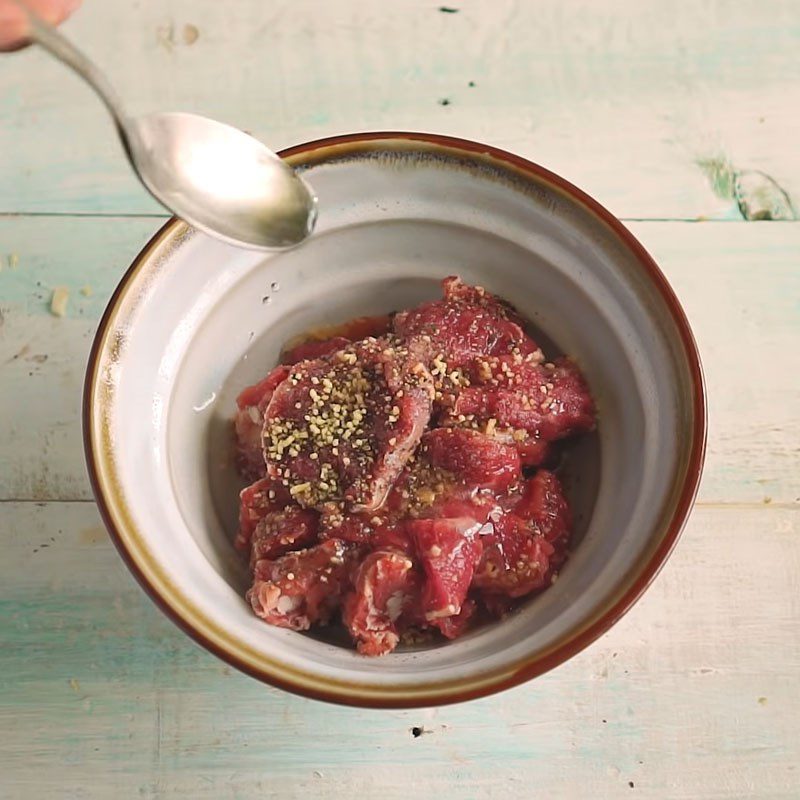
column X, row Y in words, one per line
column 720, row 173
column 757, row 195
column 761, row 198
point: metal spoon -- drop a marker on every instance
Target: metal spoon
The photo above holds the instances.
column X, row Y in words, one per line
column 216, row 177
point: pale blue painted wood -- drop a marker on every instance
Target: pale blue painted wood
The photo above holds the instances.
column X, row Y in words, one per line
column 738, row 283
column 650, row 106
column 42, row 357
column 623, row 97
column 692, row 695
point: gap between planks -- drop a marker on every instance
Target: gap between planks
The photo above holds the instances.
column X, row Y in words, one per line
column 166, row 215
column 84, row 215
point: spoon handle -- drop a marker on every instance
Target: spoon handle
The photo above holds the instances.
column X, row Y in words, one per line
column 59, row 46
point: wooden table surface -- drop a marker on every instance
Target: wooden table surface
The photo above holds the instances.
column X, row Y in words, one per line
column 683, row 118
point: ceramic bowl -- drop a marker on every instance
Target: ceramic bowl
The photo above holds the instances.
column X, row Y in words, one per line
column 194, row 320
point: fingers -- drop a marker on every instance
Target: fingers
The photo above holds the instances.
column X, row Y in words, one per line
column 13, row 22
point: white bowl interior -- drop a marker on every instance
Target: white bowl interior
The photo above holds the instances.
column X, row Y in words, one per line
column 204, row 319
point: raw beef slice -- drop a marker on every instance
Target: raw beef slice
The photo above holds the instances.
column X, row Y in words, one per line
column 341, row 428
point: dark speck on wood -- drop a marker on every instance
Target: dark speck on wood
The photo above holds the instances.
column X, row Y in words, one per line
column 444, row 101
column 416, row 732
column 448, row 10
column 471, row 84
column 630, row 783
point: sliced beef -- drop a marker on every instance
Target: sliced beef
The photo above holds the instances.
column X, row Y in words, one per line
column 341, row 428
column 532, row 451
column 282, row 530
column 544, row 506
column 385, row 588
column 407, row 527
column 259, row 394
column 454, row 626
column 377, row 530
column 475, row 458
column 301, row 588
column 308, row 351
column 448, row 550
column 249, row 420
column 515, row 561
column 454, row 474
column 543, row 401
column 338, row 337
column 255, row 502
column 394, row 536
column 334, row 523
column 468, row 322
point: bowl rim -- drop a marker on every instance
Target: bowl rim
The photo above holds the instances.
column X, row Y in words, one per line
column 320, row 150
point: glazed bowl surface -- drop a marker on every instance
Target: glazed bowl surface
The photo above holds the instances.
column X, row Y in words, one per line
column 195, row 320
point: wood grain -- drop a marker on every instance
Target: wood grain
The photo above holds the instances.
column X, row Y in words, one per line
column 738, row 282
column 43, row 357
column 666, row 112
column 645, row 104
column 692, row 695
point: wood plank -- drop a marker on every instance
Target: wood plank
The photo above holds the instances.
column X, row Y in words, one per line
column 738, row 281
column 43, row 357
column 637, row 101
column 693, row 694
column 739, row 285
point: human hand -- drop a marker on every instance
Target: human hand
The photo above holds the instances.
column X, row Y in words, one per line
column 14, row 25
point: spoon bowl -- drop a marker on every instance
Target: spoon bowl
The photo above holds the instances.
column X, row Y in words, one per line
column 221, row 180
column 214, row 176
